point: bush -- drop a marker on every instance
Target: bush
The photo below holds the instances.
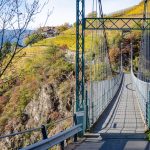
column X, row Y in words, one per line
column 33, row 38
column 5, row 49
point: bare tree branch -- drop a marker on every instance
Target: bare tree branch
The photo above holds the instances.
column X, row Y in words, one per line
column 16, row 15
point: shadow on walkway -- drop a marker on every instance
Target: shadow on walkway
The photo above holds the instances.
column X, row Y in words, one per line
column 123, row 114
column 110, row 144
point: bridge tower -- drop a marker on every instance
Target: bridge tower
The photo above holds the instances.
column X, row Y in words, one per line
column 80, row 79
column 80, row 74
column 96, row 23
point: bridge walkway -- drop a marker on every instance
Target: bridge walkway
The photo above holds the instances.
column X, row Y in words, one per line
column 122, row 129
column 125, row 115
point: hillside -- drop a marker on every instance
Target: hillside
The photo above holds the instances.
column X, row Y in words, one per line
column 39, row 86
column 68, row 37
column 38, row 79
column 134, row 11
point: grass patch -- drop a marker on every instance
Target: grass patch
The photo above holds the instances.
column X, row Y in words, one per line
column 148, row 135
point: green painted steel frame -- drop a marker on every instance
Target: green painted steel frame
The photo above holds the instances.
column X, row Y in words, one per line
column 81, row 26
column 117, row 23
column 80, row 14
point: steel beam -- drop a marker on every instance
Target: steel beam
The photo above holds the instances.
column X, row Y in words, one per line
column 80, row 15
column 117, row 23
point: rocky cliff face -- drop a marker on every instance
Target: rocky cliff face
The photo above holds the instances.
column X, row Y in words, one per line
column 46, row 106
column 39, row 110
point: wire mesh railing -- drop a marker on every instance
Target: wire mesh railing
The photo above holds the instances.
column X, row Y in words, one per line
column 100, row 94
column 143, row 93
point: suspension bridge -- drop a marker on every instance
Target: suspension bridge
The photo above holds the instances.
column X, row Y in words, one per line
column 111, row 106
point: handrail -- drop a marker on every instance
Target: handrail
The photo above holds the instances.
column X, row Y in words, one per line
column 142, row 89
column 132, row 73
column 22, row 132
column 100, row 101
column 56, row 139
column 34, row 129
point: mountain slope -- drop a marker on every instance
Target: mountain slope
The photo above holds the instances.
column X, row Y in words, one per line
column 134, row 11
column 68, row 37
column 37, row 89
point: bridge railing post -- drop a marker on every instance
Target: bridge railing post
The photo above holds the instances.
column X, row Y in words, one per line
column 92, row 112
column 148, row 114
column 75, row 123
column 87, row 109
column 149, row 111
column 44, row 132
column 62, row 145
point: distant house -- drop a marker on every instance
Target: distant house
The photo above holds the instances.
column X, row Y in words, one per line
column 49, row 31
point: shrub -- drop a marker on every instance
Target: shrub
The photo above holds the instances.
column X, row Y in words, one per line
column 33, row 38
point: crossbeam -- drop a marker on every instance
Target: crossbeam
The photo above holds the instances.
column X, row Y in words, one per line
column 117, row 23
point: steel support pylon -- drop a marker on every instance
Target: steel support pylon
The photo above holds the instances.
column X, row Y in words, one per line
column 82, row 24
column 80, row 79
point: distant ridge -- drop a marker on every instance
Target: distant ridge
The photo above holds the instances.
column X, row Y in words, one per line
column 10, row 36
column 136, row 10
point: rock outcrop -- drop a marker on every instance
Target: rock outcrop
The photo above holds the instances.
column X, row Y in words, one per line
column 45, row 107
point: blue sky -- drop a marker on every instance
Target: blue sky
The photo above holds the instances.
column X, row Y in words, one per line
column 65, row 10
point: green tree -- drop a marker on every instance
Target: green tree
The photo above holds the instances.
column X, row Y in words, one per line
column 6, row 48
column 63, row 27
column 33, row 38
